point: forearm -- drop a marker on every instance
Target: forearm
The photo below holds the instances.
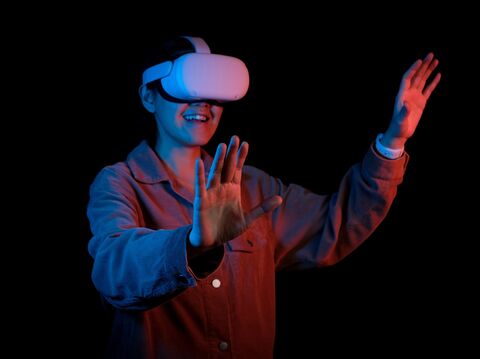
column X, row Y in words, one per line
column 315, row 230
column 134, row 267
column 362, row 202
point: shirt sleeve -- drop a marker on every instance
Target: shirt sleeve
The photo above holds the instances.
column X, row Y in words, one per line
column 134, row 267
column 313, row 230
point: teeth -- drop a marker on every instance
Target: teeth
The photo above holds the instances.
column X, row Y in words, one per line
column 195, row 117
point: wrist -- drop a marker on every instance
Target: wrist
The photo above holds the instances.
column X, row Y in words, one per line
column 387, row 151
column 395, row 143
column 195, row 248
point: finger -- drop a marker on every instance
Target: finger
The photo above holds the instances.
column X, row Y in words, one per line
column 242, row 155
column 405, row 84
column 217, row 165
column 266, row 206
column 407, row 77
column 427, row 73
column 421, row 71
column 429, row 89
column 231, row 160
column 200, row 189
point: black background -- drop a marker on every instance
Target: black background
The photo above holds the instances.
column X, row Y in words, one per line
column 322, row 86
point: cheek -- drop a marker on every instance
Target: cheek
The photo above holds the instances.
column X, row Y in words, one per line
column 217, row 112
column 179, row 109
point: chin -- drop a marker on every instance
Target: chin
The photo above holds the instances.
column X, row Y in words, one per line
column 199, row 141
column 203, row 143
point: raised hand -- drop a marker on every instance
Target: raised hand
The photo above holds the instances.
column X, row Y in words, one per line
column 218, row 215
column 410, row 101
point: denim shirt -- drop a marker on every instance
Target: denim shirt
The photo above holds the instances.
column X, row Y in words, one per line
column 163, row 308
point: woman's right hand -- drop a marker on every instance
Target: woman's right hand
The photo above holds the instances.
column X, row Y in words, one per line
column 218, row 216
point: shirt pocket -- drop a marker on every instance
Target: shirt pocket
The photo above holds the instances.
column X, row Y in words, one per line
column 252, row 240
column 243, row 243
column 249, row 256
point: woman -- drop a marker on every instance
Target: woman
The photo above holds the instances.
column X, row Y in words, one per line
column 186, row 247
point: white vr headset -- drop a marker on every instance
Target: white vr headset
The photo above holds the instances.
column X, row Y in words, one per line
column 201, row 75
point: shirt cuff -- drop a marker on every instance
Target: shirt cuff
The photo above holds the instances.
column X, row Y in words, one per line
column 378, row 166
column 179, row 262
column 390, row 153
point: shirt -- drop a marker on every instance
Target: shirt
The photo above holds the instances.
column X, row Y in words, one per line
column 163, row 308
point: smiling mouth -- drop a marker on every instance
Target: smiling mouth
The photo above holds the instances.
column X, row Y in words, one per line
column 195, row 118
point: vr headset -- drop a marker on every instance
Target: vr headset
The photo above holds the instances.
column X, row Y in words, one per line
column 200, row 75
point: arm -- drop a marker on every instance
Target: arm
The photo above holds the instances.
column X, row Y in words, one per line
column 134, row 267
column 332, row 227
column 318, row 230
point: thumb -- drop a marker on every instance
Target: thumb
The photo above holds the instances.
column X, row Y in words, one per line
column 266, row 206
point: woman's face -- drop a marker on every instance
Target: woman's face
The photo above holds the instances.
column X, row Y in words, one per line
column 185, row 124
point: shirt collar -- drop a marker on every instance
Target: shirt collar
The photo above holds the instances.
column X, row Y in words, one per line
column 147, row 167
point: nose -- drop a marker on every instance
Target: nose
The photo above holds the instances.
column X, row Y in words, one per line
column 201, row 104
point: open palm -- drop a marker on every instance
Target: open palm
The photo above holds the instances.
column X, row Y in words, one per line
column 412, row 98
column 218, row 215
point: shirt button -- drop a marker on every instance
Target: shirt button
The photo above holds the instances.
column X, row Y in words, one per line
column 216, row 284
column 223, row 346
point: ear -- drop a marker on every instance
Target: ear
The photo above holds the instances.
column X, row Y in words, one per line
column 148, row 98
